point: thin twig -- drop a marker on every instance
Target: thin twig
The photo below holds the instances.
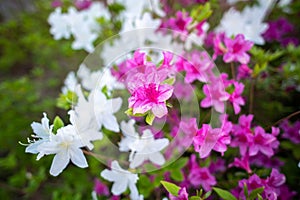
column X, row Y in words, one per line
column 285, row 118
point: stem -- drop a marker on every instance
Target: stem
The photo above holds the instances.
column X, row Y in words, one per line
column 285, row 118
column 232, row 70
column 251, row 96
column 102, row 157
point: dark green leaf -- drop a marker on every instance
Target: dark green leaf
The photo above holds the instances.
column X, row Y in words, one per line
column 224, row 194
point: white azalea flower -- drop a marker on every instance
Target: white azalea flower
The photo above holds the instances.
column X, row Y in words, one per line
column 42, row 133
column 122, row 179
column 86, row 128
column 84, row 39
column 130, row 135
column 69, row 83
column 100, row 78
column 98, row 109
column 147, row 148
column 66, row 145
column 249, row 22
column 59, row 25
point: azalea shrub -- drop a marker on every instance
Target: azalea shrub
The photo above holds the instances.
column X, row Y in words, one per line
column 173, row 100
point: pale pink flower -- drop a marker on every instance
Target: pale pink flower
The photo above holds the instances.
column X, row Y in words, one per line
column 263, row 142
column 216, row 95
column 235, row 98
column 236, row 49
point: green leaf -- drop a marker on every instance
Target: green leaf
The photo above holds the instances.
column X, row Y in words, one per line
column 169, row 81
column 245, row 188
column 224, row 194
column 254, row 193
column 57, row 124
column 202, row 12
column 195, row 198
column 149, row 118
column 207, row 194
column 129, row 112
column 171, row 187
column 259, row 197
column 177, row 175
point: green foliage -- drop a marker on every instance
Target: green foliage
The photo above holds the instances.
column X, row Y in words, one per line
column 171, row 188
column 224, row 194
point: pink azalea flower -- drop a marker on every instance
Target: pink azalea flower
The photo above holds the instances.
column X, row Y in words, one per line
column 198, row 66
column 182, row 195
column 219, row 48
column 242, row 163
column 208, row 138
column 151, row 97
column 236, row 49
column 235, row 98
column 242, row 132
column 146, row 88
column 180, row 23
column 100, row 188
column 262, row 142
column 244, row 72
column 82, row 4
column 56, row 3
column 200, row 176
column 216, row 95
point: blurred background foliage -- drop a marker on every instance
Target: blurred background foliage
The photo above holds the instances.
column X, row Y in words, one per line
column 33, row 66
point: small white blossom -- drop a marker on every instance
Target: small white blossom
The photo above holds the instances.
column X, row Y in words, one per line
column 59, row 25
column 130, row 135
column 42, row 133
column 69, row 83
column 101, row 78
column 86, row 128
column 98, row 109
column 122, row 179
column 66, row 145
column 147, row 148
column 249, row 22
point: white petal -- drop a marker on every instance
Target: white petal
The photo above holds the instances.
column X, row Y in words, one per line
column 110, row 122
column 59, row 163
column 108, row 175
column 158, row 145
column 119, row 187
column 157, row 158
column 134, row 194
column 77, row 157
column 115, row 104
column 138, row 159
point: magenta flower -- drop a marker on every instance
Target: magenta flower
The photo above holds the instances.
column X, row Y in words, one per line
column 208, row 138
column 291, row 132
column 216, row 95
column 244, row 72
column 242, row 132
column 235, row 98
column 201, row 177
column 242, row 163
column 218, row 44
column 263, row 142
column 180, row 22
column 82, row 4
column 236, row 49
column 100, row 188
column 198, row 66
column 151, row 97
column 182, row 195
